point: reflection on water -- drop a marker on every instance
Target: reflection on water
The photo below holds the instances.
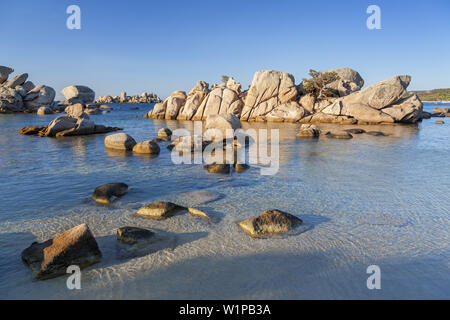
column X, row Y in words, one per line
column 369, row 200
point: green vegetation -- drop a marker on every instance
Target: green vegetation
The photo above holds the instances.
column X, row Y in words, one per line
column 434, row 95
column 225, row 79
column 317, row 85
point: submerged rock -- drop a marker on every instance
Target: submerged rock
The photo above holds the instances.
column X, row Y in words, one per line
column 308, row 131
column 241, row 167
column 120, row 141
column 134, row 235
column 355, row 131
column 269, row 223
column 51, row 258
column 440, row 122
column 104, row 193
column 159, row 210
column 375, row 133
column 218, row 168
column 339, row 135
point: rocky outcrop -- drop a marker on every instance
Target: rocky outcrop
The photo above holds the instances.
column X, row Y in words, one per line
column 76, row 123
column 143, row 98
column 20, row 95
column 78, row 94
column 269, row 89
column 222, row 100
column 273, row 96
column 269, row 223
column 193, row 101
column 51, row 258
column 106, row 192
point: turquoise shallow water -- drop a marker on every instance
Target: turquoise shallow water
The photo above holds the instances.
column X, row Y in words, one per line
column 366, row 201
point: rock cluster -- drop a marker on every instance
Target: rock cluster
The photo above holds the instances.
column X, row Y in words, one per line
column 76, row 123
column 143, row 98
column 274, row 96
column 19, row 95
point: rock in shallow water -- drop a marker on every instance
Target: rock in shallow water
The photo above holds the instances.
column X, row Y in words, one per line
column 133, row 235
column 104, row 193
column 51, row 258
column 218, row 168
column 120, row 141
column 269, row 223
column 159, row 210
column 339, row 135
column 146, row 147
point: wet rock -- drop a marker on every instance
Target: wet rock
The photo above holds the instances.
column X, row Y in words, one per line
column 165, row 134
column 241, row 167
column 375, row 133
column 218, row 168
column 440, row 122
column 104, row 193
column 33, row 131
column 120, row 141
column 355, row 131
column 60, row 124
column 189, row 144
column 308, row 131
column 441, row 110
column 134, row 235
column 146, row 147
column 159, row 210
column 198, row 213
column 339, row 135
column 51, row 258
column 269, row 223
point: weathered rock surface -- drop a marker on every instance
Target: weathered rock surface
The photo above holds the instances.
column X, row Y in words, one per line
column 159, row 210
column 170, row 108
column 106, row 192
column 51, row 258
column 441, row 110
column 44, row 110
column 4, row 73
column 221, row 100
column 120, row 141
column 198, row 213
column 269, row 89
column 350, row 81
column 38, row 97
column 194, row 99
column 165, row 134
column 78, row 94
column 269, row 223
column 18, row 80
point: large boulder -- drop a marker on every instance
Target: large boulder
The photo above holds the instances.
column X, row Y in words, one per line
column 170, row 108
column 288, row 112
column 269, row 223
column 146, row 147
column 193, row 101
column 60, row 124
column 80, row 94
column 28, row 86
column 4, row 73
column 18, row 80
column 221, row 125
column 51, row 258
column 408, row 110
column 38, row 97
column 349, row 81
column 120, row 141
column 222, row 100
column 10, row 100
column 76, row 111
column 268, row 90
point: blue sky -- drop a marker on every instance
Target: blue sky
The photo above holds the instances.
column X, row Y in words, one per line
column 162, row 46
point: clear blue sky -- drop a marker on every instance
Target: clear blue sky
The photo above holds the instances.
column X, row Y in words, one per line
column 162, row 46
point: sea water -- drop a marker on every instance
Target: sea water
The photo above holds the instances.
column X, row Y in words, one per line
column 371, row 200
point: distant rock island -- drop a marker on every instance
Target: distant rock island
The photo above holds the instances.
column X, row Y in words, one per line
column 333, row 96
column 143, row 98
